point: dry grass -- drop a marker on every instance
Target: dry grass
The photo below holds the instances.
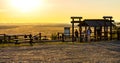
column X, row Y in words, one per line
column 57, row 52
column 102, row 52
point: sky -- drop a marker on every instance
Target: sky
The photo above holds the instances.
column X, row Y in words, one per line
column 56, row 11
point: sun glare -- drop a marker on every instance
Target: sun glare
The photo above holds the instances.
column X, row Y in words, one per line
column 26, row 5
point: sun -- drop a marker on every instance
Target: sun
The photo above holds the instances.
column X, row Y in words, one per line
column 26, row 5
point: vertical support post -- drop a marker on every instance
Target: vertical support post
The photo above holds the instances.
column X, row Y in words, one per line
column 105, row 31
column 110, row 28
column 72, row 28
column 73, row 21
column 63, row 37
column 72, row 32
column 85, row 33
column 5, row 38
column 40, row 36
column 110, row 20
column 58, row 35
column 9, row 38
column 118, row 34
column 16, row 39
column 31, row 40
column 95, row 35
column 80, row 30
column 101, row 32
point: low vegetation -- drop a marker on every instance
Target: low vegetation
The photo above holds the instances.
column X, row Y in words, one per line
column 102, row 52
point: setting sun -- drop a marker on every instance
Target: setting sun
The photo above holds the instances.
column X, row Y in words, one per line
column 26, row 5
column 56, row 11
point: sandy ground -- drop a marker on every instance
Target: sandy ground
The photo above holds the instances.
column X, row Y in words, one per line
column 102, row 52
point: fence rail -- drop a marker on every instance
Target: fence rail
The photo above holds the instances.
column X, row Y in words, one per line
column 27, row 38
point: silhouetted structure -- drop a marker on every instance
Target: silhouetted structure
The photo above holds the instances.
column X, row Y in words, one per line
column 98, row 24
column 118, row 34
column 75, row 20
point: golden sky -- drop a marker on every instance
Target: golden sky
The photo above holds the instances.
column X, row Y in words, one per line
column 56, row 11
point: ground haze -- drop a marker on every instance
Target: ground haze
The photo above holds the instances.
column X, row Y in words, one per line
column 45, row 29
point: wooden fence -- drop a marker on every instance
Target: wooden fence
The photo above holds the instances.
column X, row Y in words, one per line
column 28, row 38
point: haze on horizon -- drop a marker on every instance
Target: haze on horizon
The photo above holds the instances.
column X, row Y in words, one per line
column 56, row 11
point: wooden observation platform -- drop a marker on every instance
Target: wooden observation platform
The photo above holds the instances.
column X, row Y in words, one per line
column 106, row 24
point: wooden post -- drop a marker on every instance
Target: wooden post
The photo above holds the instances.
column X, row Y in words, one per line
column 105, row 31
column 63, row 37
column 58, row 35
column 85, row 33
column 110, row 20
column 9, row 38
column 111, row 28
column 5, row 38
column 16, row 39
column 31, row 40
column 101, row 32
column 73, row 31
column 73, row 21
column 95, row 35
column 40, row 36
column 118, row 34
column 25, row 36
column 80, row 30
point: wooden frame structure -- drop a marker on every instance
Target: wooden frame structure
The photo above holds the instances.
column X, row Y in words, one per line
column 105, row 23
column 75, row 20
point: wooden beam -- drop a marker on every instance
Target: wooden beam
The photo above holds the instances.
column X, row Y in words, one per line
column 76, row 21
column 76, row 17
column 107, row 17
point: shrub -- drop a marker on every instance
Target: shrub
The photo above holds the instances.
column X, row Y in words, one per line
column 54, row 36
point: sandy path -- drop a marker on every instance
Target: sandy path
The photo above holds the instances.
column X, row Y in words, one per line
column 82, row 53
